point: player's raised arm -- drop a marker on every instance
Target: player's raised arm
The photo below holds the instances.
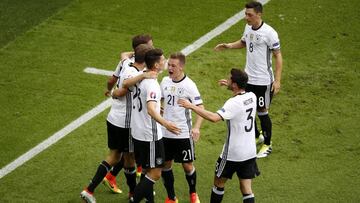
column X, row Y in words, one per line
column 132, row 81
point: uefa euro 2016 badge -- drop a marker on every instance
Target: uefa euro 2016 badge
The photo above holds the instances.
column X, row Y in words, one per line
column 153, row 95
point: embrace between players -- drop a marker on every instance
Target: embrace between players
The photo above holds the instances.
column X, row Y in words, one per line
column 150, row 123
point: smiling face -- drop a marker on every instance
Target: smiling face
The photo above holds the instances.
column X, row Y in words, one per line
column 175, row 69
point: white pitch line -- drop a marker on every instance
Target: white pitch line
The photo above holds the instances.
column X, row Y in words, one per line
column 96, row 71
column 55, row 137
column 107, row 103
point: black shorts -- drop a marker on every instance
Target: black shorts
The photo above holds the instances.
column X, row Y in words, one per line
column 118, row 138
column 244, row 169
column 179, row 150
column 263, row 94
column 149, row 154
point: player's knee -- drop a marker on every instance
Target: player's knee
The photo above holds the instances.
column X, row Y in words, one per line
column 262, row 110
column 245, row 187
column 154, row 174
column 188, row 167
column 113, row 157
column 129, row 160
column 219, row 182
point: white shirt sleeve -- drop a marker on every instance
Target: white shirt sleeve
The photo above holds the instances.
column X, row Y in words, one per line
column 153, row 92
column 129, row 72
column 228, row 111
column 194, row 95
column 118, row 70
column 273, row 40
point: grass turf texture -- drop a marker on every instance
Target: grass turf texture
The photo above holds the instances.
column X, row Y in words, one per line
column 43, row 88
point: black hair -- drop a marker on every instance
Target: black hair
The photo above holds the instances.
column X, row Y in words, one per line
column 257, row 6
column 239, row 77
column 152, row 56
column 140, row 39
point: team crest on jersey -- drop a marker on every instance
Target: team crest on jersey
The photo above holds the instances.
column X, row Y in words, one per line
column 180, row 92
column 251, row 37
column 153, row 95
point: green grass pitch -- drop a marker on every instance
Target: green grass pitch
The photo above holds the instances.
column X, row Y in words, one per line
column 45, row 45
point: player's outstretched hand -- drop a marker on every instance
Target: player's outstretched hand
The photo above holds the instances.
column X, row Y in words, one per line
column 223, row 82
column 221, row 47
column 172, row 128
column 184, row 103
column 151, row 74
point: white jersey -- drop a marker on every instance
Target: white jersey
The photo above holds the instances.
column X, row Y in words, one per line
column 259, row 46
column 171, row 92
column 239, row 114
column 143, row 126
column 120, row 112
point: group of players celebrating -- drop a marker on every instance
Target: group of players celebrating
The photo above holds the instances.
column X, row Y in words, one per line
column 150, row 124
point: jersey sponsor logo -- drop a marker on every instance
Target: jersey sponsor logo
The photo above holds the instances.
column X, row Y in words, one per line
column 153, row 95
column 248, row 101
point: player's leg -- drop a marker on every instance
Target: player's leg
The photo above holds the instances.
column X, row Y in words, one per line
column 186, row 156
column 103, row 168
column 168, row 180
column 246, row 171
column 130, row 171
column 217, row 192
column 167, row 172
column 117, row 139
column 251, row 88
column 264, row 100
column 117, row 168
column 190, row 175
column 223, row 171
column 151, row 156
column 245, row 187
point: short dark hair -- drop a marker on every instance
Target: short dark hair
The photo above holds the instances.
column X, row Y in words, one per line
column 239, row 77
column 180, row 56
column 140, row 52
column 257, row 6
column 140, row 39
column 152, row 56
